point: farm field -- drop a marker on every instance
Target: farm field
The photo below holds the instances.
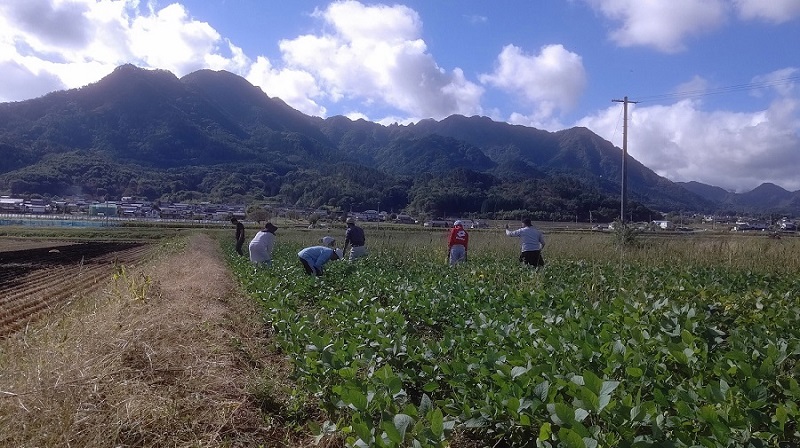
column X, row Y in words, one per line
column 37, row 275
column 159, row 350
column 674, row 340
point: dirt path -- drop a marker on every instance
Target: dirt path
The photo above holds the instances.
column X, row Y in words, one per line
column 166, row 355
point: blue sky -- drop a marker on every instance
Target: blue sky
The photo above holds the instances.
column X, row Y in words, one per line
column 718, row 81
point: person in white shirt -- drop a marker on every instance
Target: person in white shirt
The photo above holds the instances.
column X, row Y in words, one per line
column 262, row 244
column 532, row 241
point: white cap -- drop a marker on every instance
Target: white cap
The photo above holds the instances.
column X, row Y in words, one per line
column 339, row 253
column 458, row 223
column 328, row 240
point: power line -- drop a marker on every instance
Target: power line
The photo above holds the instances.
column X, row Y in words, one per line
column 719, row 91
column 675, row 96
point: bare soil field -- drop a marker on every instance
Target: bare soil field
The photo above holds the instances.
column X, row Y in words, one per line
column 36, row 276
column 137, row 351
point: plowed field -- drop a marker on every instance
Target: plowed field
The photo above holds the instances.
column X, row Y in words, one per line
column 37, row 276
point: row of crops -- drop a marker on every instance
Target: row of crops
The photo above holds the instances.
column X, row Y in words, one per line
column 400, row 350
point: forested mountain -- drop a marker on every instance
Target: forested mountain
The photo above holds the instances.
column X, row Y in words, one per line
column 214, row 136
column 766, row 198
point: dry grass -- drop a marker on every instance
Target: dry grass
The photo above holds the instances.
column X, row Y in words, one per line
column 177, row 362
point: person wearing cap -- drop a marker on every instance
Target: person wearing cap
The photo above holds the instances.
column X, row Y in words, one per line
column 262, row 244
column 239, row 235
column 532, row 241
column 328, row 241
column 354, row 237
column 314, row 258
column 457, row 244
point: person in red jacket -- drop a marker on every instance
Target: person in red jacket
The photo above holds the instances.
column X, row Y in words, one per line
column 457, row 244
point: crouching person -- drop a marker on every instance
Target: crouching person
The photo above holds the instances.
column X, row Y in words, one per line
column 314, row 258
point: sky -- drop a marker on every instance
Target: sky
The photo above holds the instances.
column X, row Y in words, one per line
column 714, row 85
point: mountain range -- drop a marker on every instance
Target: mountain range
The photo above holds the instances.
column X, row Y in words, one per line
column 211, row 135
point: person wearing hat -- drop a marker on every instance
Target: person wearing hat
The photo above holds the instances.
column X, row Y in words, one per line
column 532, row 241
column 314, row 258
column 354, row 237
column 328, row 241
column 262, row 244
column 457, row 244
column 239, row 235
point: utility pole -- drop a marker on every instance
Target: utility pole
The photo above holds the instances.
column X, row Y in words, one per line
column 624, row 197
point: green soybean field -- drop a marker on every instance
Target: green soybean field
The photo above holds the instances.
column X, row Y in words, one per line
column 683, row 341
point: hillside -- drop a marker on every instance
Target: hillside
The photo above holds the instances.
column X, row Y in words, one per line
column 214, row 136
column 766, row 198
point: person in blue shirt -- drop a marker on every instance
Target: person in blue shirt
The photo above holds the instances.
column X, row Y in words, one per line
column 314, row 258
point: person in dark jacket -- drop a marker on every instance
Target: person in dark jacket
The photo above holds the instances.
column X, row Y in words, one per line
column 354, row 237
column 239, row 235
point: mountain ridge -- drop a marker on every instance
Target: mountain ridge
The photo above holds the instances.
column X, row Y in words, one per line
column 209, row 132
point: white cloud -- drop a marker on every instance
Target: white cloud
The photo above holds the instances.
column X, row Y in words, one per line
column 169, row 39
column 476, row 19
column 295, row 87
column 48, row 25
column 778, row 11
column 67, row 44
column 736, row 151
column 549, row 82
column 374, row 55
column 19, row 83
column 663, row 25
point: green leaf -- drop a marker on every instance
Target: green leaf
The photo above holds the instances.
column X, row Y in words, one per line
column 542, row 390
column 545, row 432
column 781, row 416
column 634, row 372
column 392, row 432
column 437, row 424
column 476, row 422
column 430, row 387
column 425, row 404
column 561, row 414
column 570, row 438
column 592, row 382
column 385, row 373
column 708, row 414
column 355, row 398
column 589, row 399
column 517, row 371
column 608, row 387
column 348, row 372
column 362, row 431
column 395, row 385
column 686, row 337
column 402, row 422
